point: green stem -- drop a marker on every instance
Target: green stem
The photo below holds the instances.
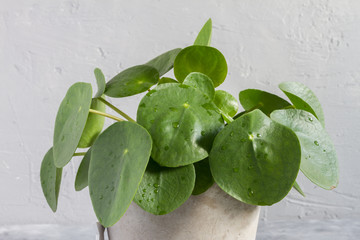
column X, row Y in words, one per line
column 106, row 115
column 79, row 154
column 117, row 110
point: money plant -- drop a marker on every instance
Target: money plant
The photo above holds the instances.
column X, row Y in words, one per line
column 187, row 136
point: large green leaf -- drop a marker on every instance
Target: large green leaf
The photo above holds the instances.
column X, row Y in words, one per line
column 255, row 160
column 303, row 98
column 101, row 83
column 182, row 122
column 163, row 189
column 266, row 102
column 204, row 36
column 50, row 178
column 203, row 59
column 204, row 179
column 226, row 102
column 318, row 162
column 81, row 180
column 132, row 81
column 118, row 161
column 165, row 61
column 201, row 82
column 94, row 124
column 70, row 122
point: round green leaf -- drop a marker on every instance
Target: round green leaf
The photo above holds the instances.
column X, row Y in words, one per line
column 226, row 102
column 94, row 125
column 70, row 122
column 255, row 160
column 201, row 82
column 204, row 179
column 118, row 161
column 132, row 81
column 303, row 98
column 167, row 80
column 81, row 180
column 50, row 178
column 318, row 157
column 266, row 102
column 203, row 59
column 204, row 36
column 182, row 122
column 163, row 189
column 100, row 80
column 165, row 61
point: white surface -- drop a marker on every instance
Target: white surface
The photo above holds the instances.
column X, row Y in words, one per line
column 45, row 46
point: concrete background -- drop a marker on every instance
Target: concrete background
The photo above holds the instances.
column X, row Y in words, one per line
column 46, row 46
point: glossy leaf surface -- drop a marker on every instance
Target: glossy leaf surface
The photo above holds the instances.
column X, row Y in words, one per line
column 101, row 83
column 226, row 102
column 118, row 161
column 182, row 122
column 132, row 81
column 200, row 82
column 204, row 36
column 165, row 61
column 70, row 122
column 266, row 102
column 81, row 180
column 255, row 160
column 50, row 178
column 303, row 98
column 203, row 59
column 318, row 162
column 204, row 179
column 94, row 124
column 163, row 189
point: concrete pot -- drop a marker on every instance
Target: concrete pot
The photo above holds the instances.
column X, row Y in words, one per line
column 212, row 215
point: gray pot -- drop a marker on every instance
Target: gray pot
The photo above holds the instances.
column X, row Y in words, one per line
column 212, row 215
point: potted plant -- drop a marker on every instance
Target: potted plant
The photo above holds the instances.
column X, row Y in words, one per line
column 188, row 135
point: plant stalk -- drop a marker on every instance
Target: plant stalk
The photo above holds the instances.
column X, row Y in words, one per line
column 117, row 110
column 79, row 154
column 106, row 115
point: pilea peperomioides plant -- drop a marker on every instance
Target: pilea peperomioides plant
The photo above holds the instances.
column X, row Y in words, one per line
column 186, row 136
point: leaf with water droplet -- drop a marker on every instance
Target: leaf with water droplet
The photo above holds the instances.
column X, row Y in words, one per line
column 200, row 82
column 303, row 98
column 81, row 180
column 321, row 168
column 70, row 122
column 271, row 178
column 50, row 178
column 131, row 147
column 226, row 102
column 204, row 179
column 170, row 191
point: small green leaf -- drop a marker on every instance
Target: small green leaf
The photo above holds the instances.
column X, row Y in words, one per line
column 318, row 157
column 167, row 80
column 182, row 122
column 204, row 179
column 165, row 61
column 50, row 178
column 200, row 82
column 255, row 160
column 162, row 189
column 297, row 187
column 204, row 36
column 81, row 180
column 226, row 102
column 132, row 81
column 70, row 122
column 118, row 161
column 303, row 98
column 256, row 99
column 101, row 83
column 203, row 59
column 94, row 124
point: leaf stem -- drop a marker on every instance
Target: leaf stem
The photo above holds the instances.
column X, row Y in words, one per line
column 106, row 115
column 117, row 110
column 79, row 154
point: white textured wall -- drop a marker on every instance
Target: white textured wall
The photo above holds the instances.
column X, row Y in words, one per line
column 45, row 46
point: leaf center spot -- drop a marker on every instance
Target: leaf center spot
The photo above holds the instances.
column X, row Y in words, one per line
column 186, row 105
column 251, row 137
